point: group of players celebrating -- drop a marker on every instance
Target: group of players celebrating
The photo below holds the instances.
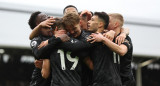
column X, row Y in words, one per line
column 80, row 49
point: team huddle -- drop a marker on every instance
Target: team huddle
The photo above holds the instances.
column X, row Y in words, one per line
column 80, row 49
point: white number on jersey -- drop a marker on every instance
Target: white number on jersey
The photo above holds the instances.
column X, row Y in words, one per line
column 74, row 60
column 116, row 58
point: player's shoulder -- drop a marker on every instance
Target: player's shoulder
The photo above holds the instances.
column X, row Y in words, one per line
column 36, row 38
column 35, row 41
column 128, row 38
column 85, row 34
column 128, row 42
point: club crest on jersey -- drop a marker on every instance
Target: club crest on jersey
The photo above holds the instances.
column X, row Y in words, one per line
column 33, row 44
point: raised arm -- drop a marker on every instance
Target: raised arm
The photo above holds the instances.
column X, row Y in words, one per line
column 35, row 32
column 45, row 24
column 45, row 68
column 75, row 45
column 119, row 49
column 42, row 53
column 124, row 33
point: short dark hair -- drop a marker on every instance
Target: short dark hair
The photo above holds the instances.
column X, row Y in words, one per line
column 104, row 16
column 58, row 23
column 68, row 7
column 32, row 19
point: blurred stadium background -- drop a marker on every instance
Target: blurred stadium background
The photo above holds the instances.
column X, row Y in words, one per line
column 141, row 17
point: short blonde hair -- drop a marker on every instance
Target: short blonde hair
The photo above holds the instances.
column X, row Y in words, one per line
column 118, row 17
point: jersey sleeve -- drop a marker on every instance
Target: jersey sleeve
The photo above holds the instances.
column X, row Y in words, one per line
column 53, row 40
column 34, row 45
column 75, row 45
column 128, row 42
column 44, row 52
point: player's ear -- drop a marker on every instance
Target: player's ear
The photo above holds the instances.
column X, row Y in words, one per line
column 56, row 28
column 116, row 24
column 100, row 24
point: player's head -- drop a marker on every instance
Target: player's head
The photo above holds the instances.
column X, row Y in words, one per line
column 83, row 21
column 116, row 20
column 99, row 20
column 71, row 22
column 36, row 18
column 70, row 9
column 58, row 25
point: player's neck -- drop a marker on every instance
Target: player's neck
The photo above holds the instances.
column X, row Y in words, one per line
column 79, row 34
column 100, row 30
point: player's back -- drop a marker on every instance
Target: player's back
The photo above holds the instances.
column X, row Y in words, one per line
column 66, row 68
column 104, row 73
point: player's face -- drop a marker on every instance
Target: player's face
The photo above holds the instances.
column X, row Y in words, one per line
column 71, row 10
column 93, row 24
column 44, row 31
column 75, row 31
column 111, row 23
column 41, row 17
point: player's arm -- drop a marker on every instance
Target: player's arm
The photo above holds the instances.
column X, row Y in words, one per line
column 79, row 45
column 88, row 62
column 65, row 44
column 124, row 33
column 45, row 68
column 46, row 50
column 75, row 46
column 34, row 45
column 35, row 32
column 109, row 34
column 87, row 13
column 119, row 49
column 47, row 24
column 43, row 52
column 38, row 63
column 54, row 41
